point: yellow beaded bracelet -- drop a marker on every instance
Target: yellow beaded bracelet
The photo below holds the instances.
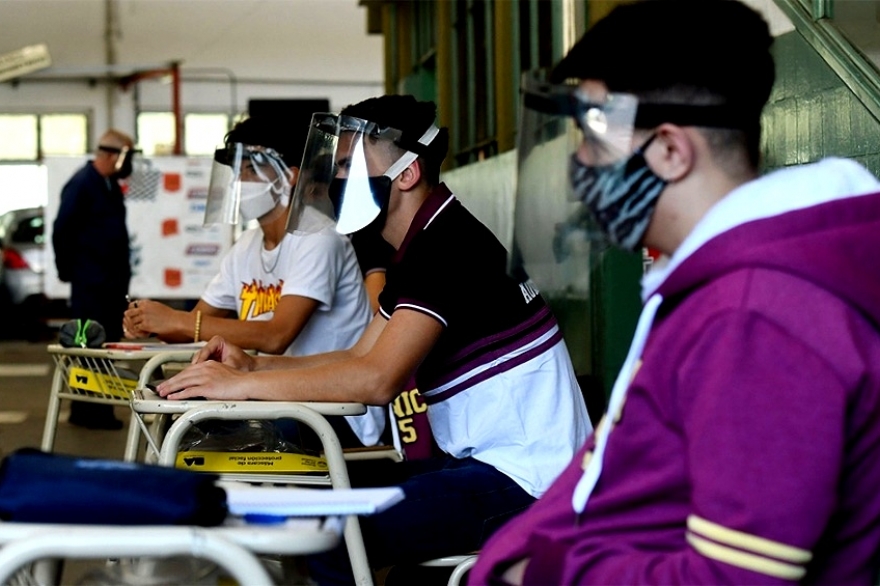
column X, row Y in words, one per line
column 198, row 325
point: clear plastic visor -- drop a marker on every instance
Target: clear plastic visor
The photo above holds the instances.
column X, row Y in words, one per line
column 605, row 119
column 125, row 159
column 247, row 181
column 554, row 233
column 344, row 167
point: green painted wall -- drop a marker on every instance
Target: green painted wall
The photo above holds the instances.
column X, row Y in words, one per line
column 812, row 114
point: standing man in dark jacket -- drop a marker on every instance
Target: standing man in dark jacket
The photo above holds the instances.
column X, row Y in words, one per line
column 91, row 245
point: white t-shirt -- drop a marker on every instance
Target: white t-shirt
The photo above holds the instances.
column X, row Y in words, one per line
column 321, row 266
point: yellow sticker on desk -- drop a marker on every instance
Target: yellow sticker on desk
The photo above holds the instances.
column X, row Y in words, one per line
column 96, row 382
column 277, row 462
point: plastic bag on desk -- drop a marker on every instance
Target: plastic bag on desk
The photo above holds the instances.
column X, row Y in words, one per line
column 37, row 487
column 242, row 436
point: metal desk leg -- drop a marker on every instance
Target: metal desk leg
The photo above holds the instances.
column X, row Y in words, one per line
column 336, row 466
column 133, row 439
column 52, row 411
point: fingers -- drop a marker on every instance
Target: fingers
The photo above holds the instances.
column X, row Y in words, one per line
column 213, row 350
column 141, row 318
column 184, row 395
column 133, row 320
column 210, row 380
column 130, row 330
column 182, row 382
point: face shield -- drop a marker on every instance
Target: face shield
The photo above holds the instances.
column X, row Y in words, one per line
column 583, row 179
column 252, row 181
column 346, row 177
column 555, row 234
column 124, row 164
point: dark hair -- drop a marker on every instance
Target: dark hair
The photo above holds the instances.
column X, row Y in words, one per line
column 700, row 52
column 270, row 133
column 412, row 118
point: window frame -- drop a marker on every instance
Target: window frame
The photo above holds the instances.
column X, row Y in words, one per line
column 149, row 150
column 39, row 115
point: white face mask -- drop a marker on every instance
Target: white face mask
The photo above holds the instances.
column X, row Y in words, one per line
column 256, row 199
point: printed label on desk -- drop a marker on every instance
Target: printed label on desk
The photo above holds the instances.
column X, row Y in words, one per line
column 96, row 382
column 250, row 462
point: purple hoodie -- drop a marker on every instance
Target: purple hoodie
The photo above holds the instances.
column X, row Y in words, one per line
column 745, row 442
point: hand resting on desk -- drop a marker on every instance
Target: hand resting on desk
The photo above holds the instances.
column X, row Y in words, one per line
column 218, row 362
column 209, row 380
column 156, row 392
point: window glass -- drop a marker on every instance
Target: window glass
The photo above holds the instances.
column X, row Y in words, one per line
column 155, row 133
column 475, row 137
column 63, row 134
column 204, row 132
column 424, row 16
column 860, row 24
column 24, row 186
column 24, row 128
column 535, row 34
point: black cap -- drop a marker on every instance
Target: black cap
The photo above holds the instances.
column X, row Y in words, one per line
column 718, row 46
column 408, row 115
column 269, row 133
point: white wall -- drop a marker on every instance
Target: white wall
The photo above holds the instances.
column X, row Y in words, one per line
column 487, row 189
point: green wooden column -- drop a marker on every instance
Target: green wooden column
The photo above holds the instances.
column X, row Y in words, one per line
column 614, row 312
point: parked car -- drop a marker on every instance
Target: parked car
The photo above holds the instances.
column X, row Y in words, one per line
column 22, row 248
column 22, row 242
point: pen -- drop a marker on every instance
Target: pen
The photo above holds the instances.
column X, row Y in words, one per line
column 128, row 299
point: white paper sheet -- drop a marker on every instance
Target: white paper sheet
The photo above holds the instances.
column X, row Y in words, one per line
column 244, row 499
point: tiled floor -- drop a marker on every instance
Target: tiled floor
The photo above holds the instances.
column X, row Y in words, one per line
column 25, row 381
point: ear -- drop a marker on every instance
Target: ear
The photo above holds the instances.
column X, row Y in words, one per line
column 674, row 155
column 410, row 176
column 292, row 175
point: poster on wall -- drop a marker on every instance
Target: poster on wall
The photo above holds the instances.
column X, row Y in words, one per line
column 173, row 256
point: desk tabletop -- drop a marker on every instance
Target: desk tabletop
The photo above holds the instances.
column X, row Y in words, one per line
column 124, row 351
column 146, row 401
column 296, row 536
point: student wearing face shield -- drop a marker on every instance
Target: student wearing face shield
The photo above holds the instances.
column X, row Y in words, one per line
column 276, row 292
column 741, row 443
column 487, row 354
column 90, row 241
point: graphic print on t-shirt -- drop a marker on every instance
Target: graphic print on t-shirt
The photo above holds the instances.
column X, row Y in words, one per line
column 257, row 299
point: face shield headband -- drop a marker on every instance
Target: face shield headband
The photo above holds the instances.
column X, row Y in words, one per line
column 252, row 181
column 566, row 100
column 342, row 177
